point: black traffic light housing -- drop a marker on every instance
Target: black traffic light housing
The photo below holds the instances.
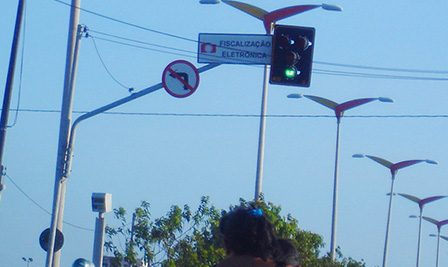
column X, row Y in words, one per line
column 292, row 55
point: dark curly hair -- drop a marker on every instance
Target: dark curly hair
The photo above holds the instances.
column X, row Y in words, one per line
column 248, row 232
column 288, row 253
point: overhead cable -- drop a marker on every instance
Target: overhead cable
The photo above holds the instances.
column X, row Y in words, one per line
column 40, row 207
column 240, row 115
column 317, row 71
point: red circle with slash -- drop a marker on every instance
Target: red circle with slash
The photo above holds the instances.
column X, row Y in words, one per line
column 180, row 78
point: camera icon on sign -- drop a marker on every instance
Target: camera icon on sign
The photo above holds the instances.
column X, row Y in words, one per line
column 208, row 48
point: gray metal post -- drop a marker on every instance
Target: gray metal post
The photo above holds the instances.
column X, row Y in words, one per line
column 100, row 227
column 65, row 174
column 53, row 257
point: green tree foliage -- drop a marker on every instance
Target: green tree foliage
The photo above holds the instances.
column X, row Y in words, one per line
column 186, row 238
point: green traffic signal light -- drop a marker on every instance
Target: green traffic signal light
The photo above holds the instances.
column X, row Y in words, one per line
column 290, row 73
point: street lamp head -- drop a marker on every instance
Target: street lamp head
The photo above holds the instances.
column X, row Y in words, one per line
column 359, row 156
column 209, row 1
column 431, row 161
column 386, row 99
column 295, row 96
column 330, row 7
column 414, row 216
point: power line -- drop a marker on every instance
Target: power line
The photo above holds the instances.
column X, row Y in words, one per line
column 316, row 71
column 128, row 23
column 142, row 42
column 39, row 206
column 194, row 53
column 326, row 72
column 316, row 62
column 375, row 76
column 241, row 115
column 104, row 64
column 142, row 47
column 381, row 68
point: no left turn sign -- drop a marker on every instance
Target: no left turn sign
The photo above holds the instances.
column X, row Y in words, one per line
column 180, row 78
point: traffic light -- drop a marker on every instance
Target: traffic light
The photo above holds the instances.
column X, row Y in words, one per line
column 292, row 55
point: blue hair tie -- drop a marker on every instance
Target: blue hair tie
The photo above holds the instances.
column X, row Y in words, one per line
column 256, row 212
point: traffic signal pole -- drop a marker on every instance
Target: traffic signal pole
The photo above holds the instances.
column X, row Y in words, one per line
column 261, row 135
column 269, row 19
column 267, row 78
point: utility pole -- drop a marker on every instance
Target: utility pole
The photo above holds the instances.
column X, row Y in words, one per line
column 8, row 88
column 53, row 257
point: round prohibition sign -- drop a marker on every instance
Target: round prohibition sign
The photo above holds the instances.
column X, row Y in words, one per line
column 180, row 78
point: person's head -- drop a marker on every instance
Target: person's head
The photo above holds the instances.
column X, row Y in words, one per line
column 248, row 232
column 288, row 254
column 82, row 263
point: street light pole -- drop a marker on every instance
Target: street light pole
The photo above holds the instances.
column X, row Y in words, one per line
column 334, row 216
column 438, row 247
column 258, row 13
column 393, row 168
column 269, row 19
column 339, row 110
column 27, row 260
column 439, row 225
column 421, row 203
column 262, row 130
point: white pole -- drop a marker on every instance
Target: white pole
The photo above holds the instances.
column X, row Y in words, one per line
column 438, row 247
column 100, row 228
column 65, row 171
column 261, row 136
column 419, row 236
column 335, row 195
column 386, row 242
column 53, row 257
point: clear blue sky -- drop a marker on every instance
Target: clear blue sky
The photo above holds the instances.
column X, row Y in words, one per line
column 145, row 154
